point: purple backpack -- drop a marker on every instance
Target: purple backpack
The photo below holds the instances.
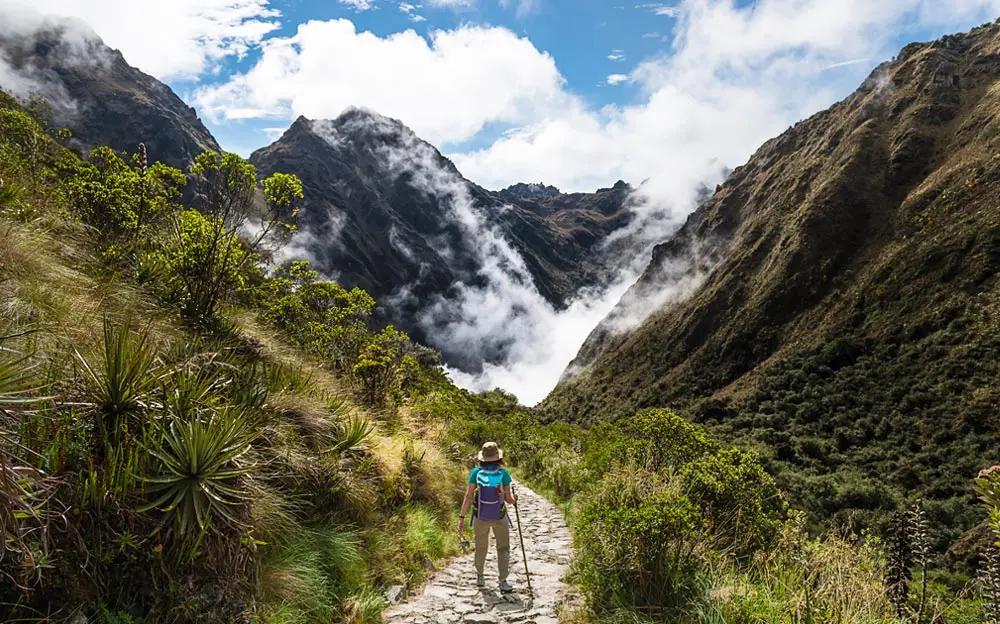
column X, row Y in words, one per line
column 490, row 505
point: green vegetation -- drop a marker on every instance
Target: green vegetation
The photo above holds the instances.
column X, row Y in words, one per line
column 670, row 525
column 185, row 436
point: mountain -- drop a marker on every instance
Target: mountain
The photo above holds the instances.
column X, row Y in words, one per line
column 529, row 191
column 836, row 304
column 384, row 210
column 95, row 93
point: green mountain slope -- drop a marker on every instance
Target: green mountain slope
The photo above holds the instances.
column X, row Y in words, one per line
column 847, row 321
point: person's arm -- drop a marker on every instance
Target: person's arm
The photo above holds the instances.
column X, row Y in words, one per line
column 466, row 504
column 508, row 496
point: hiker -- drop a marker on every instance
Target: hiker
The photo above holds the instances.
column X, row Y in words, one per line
column 489, row 493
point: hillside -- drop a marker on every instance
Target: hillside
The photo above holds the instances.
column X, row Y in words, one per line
column 386, row 211
column 845, row 317
column 164, row 463
column 94, row 92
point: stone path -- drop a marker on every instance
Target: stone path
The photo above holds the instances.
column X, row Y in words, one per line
column 451, row 595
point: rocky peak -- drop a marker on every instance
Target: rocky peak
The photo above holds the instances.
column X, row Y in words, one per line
column 530, row 191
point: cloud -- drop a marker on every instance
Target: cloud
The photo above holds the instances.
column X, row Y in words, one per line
column 522, row 7
column 617, row 55
column 176, row 39
column 411, row 12
column 447, row 87
column 359, row 5
column 660, row 8
column 614, row 79
column 775, row 61
column 78, row 46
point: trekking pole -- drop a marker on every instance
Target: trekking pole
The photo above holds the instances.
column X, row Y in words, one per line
column 520, row 535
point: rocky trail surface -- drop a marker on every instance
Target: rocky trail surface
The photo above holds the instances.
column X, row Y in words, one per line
column 451, row 595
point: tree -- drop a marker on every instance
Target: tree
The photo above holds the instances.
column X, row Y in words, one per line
column 212, row 252
column 379, row 363
column 125, row 203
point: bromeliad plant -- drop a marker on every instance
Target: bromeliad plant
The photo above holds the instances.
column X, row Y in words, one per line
column 200, row 463
column 120, row 378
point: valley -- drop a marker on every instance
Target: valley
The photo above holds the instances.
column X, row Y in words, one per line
column 251, row 389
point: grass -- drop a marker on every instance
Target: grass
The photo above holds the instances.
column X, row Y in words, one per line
column 429, row 535
column 258, row 444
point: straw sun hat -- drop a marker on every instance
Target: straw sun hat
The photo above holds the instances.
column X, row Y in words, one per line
column 490, row 452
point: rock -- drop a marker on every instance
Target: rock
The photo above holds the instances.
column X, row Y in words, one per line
column 395, row 593
column 464, row 608
column 428, row 564
column 439, row 591
column 480, row 618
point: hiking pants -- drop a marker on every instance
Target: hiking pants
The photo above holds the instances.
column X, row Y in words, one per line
column 501, row 533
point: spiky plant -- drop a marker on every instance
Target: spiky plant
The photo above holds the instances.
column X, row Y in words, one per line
column 989, row 585
column 120, row 378
column 353, row 435
column 988, row 488
column 899, row 560
column 190, row 388
column 200, row 463
column 24, row 490
column 920, row 542
column 10, row 194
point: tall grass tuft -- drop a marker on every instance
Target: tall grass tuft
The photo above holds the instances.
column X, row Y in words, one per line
column 308, row 576
column 120, row 378
column 426, row 535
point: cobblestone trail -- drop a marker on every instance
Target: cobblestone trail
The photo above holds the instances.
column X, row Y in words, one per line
column 451, row 595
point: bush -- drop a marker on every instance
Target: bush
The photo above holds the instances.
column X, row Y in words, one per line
column 636, row 539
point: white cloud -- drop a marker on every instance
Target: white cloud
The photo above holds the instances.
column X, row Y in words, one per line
column 359, row 5
column 614, row 79
column 446, row 88
column 660, row 8
column 176, row 39
column 617, row 55
column 770, row 62
column 411, row 12
column 522, row 7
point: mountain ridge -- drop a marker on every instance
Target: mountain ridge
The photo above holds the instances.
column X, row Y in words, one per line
column 394, row 216
column 100, row 97
column 849, row 294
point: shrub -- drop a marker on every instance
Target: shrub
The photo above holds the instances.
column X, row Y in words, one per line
column 123, row 202
column 636, row 538
column 738, row 500
column 207, row 259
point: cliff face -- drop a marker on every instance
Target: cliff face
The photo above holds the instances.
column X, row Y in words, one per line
column 387, row 212
column 102, row 99
column 835, row 300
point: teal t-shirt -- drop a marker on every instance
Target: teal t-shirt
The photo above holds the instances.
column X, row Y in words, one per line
column 504, row 476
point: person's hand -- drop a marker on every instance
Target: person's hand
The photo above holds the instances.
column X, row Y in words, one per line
column 461, row 528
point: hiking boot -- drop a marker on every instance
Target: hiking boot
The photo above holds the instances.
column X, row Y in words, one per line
column 480, row 581
column 505, row 587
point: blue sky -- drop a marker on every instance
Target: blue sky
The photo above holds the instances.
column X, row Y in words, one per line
column 520, row 90
column 589, row 39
